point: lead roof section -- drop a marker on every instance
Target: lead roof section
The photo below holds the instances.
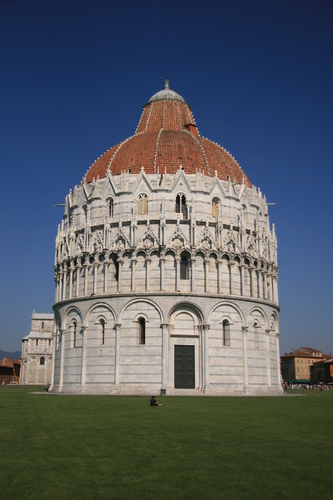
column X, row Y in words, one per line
column 167, row 137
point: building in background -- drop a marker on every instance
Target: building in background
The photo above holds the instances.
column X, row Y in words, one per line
column 297, row 365
column 9, row 371
column 37, row 348
column 166, row 269
column 322, row 371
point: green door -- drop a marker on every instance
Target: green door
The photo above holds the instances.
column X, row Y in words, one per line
column 184, row 367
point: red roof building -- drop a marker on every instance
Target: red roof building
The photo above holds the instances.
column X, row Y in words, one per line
column 297, row 365
column 9, row 370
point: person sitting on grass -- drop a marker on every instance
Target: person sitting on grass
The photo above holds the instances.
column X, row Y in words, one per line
column 153, row 402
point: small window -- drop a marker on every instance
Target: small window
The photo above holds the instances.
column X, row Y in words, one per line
column 184, row 267
column 42, row 361
column 226, row 332
column 102, row 322
column 110, row 207
column 42, row 325
column 116, row 266
column 215, row 207
column 142, row 331
column 36, row 342
column 74, row 333
column 256, row 327
column 181, row 207
column 49, row 342
column 143, row 204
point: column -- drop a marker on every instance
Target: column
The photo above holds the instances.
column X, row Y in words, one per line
column 231, row 274
column 251, row 271
column 62, row 356
column 260, row 287
column 148, row 261
column 133, row 265
column 78, row 272
column 120, row 265
column 106, row 268
column 268, row 360
column 83, row 361
column 117, row 356
column 177, row 272
column 56, row 288
column 162, row 269
column 265, row 285
column 60, row 287
column 165, row 355
column 242, row 284
column 71, row 268
column 205, row 356
column 64, row 284
column 276, row 291
column 95, row 277
column 246, row 380
column 219, row 264
column 85, row 278
column 207, row 261
column 271, row 291
column 193, row 261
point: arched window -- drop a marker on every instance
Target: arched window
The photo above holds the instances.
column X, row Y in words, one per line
column 74, row 333
column 42, row 325
column 102, row 322
column 142, row 331
column 256, row 327
column 215, row 207
column 110, row 207
column 226, row 332
column 42, row 361
column 143, row 204
column 181, row 207
column 86, row 215
column 114, row 259
column 184, row 267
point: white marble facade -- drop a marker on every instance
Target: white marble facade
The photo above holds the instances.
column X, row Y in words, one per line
column 37, row 349
column 146, row 262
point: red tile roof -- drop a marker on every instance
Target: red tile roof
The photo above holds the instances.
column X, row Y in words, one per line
column 166, row 138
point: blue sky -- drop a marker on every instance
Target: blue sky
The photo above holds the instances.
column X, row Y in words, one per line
column 259, row 78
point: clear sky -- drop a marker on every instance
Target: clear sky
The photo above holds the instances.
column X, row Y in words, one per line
column 259, row 77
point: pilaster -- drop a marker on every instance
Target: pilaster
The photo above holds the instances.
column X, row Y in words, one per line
column 268, row 359
column 246, row 379
column 165, row 354
column 117, row 353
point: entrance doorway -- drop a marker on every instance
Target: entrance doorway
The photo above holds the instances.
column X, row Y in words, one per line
column 184, row 367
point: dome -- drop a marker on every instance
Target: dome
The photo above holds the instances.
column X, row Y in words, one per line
column 166, row 277
column 165, row 139
column 166, row 94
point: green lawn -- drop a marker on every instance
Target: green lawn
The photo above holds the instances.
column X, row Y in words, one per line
column 119, row 447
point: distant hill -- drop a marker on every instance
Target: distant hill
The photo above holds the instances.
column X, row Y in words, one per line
column 12, row 355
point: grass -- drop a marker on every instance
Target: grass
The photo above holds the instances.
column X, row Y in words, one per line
column 118, row 447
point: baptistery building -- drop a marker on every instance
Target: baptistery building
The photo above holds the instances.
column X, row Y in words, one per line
column 166, row 277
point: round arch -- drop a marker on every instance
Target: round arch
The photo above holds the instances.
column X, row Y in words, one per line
column 72, row 309
column 232, row 306
column 97, row 305
column 260, row 311
column 138, row 301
